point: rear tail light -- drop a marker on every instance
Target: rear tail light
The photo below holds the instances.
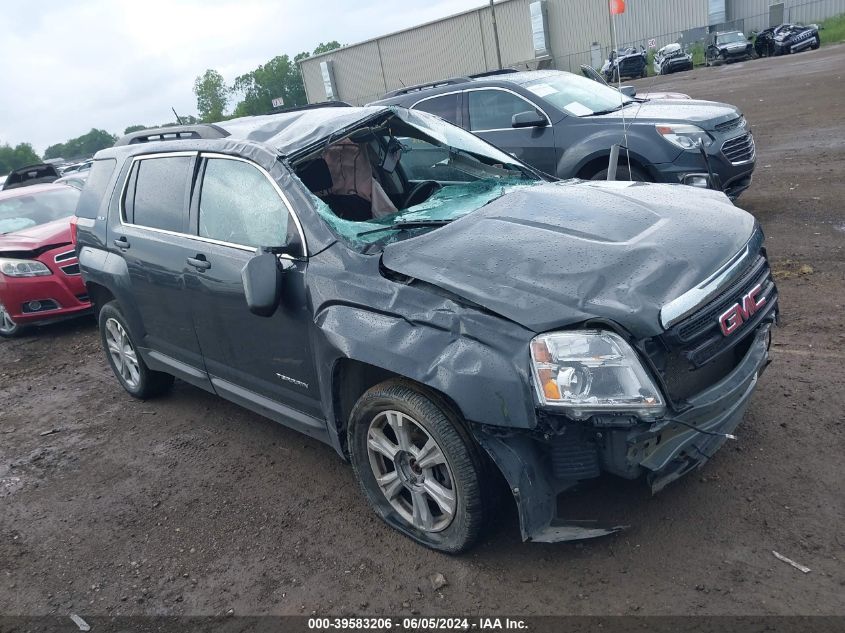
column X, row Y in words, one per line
column 73, row 221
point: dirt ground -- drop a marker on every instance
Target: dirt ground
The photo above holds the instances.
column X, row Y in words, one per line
column 190, row 505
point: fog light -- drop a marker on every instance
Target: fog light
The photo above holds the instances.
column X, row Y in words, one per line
column 697, row 180
column 35, row 306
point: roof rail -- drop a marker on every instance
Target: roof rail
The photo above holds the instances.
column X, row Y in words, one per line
column 311, row 106
column 173, row 133
column 426, row 86
column 493, row 73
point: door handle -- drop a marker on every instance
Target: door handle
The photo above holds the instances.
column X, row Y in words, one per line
column 199, row 262
column 121, row 242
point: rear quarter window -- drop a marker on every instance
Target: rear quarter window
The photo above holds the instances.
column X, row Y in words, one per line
column 157, row 195
column 95, row 189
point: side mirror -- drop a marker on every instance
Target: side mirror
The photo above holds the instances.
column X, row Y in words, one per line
column 628, row 91
column 262, row 280
column 529, row 118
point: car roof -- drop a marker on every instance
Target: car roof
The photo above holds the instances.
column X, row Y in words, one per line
column 284, row 133
column 290, row 131
column 493, row 79
column 7, row 194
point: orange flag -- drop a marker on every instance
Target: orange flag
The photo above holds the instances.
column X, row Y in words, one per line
column 617, row 7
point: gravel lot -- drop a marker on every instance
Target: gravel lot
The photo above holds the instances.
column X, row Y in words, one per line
column 190, row 505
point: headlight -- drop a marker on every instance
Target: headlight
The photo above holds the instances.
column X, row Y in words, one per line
column 684, row 135
column 589, row 371
column 23, row 268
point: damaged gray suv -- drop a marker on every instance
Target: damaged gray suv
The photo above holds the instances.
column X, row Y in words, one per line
column 432, row 308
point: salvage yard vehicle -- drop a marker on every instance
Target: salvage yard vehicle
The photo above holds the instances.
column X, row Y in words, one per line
column 431, row 307
column 564, row 125
column 724, row 48
column 625, row 62
column 31, row 175
column 74, row 179
column 671, row 59
column 630, row 91
column 786, row 39
column 39, row 274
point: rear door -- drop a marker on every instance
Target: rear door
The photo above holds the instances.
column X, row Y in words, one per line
column 150, row 237
column 489, row 112
column 261, row 362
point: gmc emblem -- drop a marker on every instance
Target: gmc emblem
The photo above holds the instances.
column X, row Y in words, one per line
column 733, row 318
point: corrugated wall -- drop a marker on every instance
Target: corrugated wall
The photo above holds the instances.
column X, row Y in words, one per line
column 756, row 12
column 464, row 44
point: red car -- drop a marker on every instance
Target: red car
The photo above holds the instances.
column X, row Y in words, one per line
column 39, row 272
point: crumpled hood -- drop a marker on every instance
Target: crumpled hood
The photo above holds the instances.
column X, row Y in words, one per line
column 706, row 114
column 560, row 253
column 37, row 237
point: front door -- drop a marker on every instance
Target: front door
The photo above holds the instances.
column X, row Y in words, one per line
column 490, row 112
column 249, row 358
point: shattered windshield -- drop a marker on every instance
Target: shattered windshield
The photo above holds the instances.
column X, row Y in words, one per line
column 449, row 203
column 730, row 38
column 411, row 172
column 578, row 96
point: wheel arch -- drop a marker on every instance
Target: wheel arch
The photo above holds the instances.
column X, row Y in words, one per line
column 593, row 165
column 99, row 295
column 352, row 378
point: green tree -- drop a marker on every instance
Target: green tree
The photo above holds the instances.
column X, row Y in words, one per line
column 82, row 146
column 134, row 128
column 12, row 158
column 277, row 78
column 212, row 95
column 280, row 77
column 325, row 48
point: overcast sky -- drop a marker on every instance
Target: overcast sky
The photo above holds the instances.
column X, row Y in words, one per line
column 68, row 66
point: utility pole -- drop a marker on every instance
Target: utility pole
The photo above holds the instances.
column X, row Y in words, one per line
column 496, row 35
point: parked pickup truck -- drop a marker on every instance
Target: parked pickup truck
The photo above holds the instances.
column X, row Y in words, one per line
column 434, row 330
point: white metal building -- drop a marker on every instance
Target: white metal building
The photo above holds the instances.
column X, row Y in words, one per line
column 560, row 34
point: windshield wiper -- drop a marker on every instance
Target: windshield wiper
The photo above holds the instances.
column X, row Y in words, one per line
column 609, row 110
column 408, row 224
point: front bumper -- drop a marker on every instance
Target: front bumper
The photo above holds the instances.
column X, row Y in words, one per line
column 674, row 65
column 735, row 177
column 60, row 295
column 734, row 54
column 662, row 451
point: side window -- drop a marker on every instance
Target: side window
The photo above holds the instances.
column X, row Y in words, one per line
column 94, row 191
column 424, row 161
column 494, row 109
column 239, row 205
column 445, row 106
column 160, row 186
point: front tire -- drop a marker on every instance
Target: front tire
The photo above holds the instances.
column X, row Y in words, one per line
column 8, row 328
column 623, row 173
column 122, row 353
column 417, row 466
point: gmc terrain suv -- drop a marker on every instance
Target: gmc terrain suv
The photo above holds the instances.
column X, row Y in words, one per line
column 429, row 306
column 564, row 125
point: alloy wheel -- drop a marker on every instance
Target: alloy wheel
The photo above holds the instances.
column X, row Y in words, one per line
column 412, row 471
column 7, row 326
column 123, row 354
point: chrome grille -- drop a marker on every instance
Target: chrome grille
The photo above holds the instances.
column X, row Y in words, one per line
column 734, row 123
column 739, row 150
column 699, row 339
column 71, row 269
column 63, row 257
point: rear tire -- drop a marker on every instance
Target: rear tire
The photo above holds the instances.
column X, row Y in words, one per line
column 418, row 467
column 135, row 377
